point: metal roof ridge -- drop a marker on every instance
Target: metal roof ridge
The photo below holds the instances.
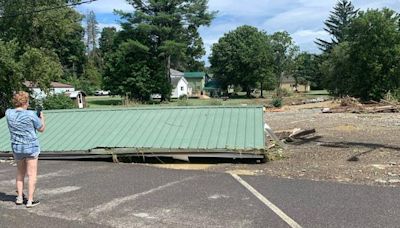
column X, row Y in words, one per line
column 152, row 108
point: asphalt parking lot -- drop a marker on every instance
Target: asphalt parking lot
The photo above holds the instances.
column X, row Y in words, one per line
column 102, row 194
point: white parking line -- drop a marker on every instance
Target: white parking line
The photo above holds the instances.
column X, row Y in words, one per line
column 60, row 173
column 57, row 191
column 268, row 203
column 93, row 212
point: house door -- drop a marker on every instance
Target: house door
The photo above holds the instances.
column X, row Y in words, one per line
column 80, row 101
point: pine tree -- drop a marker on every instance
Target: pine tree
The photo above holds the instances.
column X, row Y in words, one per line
column 337, row 25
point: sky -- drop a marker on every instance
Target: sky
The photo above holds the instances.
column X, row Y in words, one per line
column 303, row 19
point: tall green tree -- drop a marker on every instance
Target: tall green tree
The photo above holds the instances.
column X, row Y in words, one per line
column 10, row 74
column 242, row 57
column 374, row 39
column 337, row 70
column 58, row 30
column 36, row 65
column 307, row 70
column 128, row 72
column 168, row 29
column 337, row 25
column 284, row 52
column 367, row 64
column 106, row 40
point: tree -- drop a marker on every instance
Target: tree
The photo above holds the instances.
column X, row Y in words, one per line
column 374, row 52
column 285, row 52
column 169, row 30
column 367, row 64
column 58, row 30
column 39, row 66
column 337, row 70
column 10, row 74
column 127, row 73
column 106, row 41
column 242, row 57
column 307, row 70
column 337, row 25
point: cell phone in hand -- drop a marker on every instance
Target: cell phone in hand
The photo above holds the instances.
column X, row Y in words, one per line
column 38, row 111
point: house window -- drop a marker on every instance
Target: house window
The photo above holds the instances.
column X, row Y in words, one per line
column 181, row 88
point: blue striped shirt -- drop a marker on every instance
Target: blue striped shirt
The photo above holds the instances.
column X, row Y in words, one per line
column 23, row 125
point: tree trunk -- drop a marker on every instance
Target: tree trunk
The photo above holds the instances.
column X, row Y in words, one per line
column 248, row 92
column 262, row 89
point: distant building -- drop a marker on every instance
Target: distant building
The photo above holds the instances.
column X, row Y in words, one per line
column 289, row 83
column 196, row 80
column 180, row 87
column 55, row 88
column 78, row 97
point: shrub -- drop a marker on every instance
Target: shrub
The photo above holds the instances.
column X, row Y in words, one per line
column 277, row 102
column 395, row 95
column 282, row 92
column 58, row 101
column 183, row 97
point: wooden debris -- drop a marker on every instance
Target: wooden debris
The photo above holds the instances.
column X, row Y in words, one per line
column 292, row 135
column 352, row 105
column 302, row 132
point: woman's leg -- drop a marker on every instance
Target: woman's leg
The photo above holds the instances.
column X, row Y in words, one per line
column 31, row 171
column 21, row 171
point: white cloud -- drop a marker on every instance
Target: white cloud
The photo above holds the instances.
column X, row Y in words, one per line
column 303, row 19
column 305, row 39
column 250, row 8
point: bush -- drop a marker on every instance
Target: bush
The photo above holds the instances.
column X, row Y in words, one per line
column 183, row 97
column 58, row 101
column 396, row 94
column 277, row 102
column 283, row 92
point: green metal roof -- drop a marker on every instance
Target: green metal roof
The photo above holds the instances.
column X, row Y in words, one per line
column 194, row 74
column 154, row 129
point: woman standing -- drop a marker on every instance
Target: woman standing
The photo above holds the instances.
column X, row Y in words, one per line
column 23, row 124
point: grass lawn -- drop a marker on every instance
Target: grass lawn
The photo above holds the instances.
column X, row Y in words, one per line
column 116, row 101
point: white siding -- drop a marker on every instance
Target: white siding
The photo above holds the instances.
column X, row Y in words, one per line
column 39, row 94
column 181, row 89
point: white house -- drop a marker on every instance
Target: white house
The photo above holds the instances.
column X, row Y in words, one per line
column 180, row 87
column 55, row 88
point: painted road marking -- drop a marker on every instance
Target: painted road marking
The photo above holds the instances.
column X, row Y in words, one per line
column 116, row 202
column 268, row 203
column 59, row 173
column 57, row 191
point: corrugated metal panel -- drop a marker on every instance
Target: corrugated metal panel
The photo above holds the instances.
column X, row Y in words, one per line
column 164, row 129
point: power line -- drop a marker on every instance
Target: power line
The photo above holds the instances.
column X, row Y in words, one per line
column 48, row 9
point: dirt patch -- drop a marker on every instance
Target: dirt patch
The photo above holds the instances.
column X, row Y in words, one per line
column 347, row 147
column 346, row 128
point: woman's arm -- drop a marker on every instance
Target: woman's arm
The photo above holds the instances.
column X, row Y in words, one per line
column 41, row 129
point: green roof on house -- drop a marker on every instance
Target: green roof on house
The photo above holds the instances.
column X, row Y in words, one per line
column 194, row 74
column 150, row 130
